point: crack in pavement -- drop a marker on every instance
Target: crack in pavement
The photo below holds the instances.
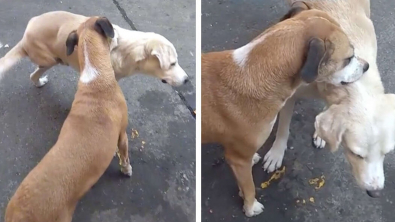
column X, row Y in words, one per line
column 131, row 24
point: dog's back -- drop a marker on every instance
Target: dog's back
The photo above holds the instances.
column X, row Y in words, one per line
column 85, row 147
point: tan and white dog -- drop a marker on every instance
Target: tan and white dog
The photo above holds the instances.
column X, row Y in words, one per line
column 94, row 128
column 244, row 89
column 131, row 51
column 359, row 116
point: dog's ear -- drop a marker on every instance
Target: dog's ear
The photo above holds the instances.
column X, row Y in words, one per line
column 315, row 56
column 104, row 27
column 163, row 61
column 296, row 7
column 71, row 42
column 330, row 126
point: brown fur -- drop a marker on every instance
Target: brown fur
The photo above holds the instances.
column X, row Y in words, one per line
column 240, row 104
column 94, row 128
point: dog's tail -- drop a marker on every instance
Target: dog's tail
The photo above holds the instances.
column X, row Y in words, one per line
column 11, row 58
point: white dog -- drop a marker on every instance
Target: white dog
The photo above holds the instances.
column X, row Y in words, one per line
column 131, row 51
column 359, row 116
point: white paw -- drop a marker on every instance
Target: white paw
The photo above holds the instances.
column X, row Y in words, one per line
column 253, row 210
column 256, row 158
column 41, row 81
column 127, row 170
column 318, row 142
column 273, row 159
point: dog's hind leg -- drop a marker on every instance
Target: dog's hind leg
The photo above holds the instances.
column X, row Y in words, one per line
column 274, row 158
column 242, row 169
column 126, row 168
column 36, row 76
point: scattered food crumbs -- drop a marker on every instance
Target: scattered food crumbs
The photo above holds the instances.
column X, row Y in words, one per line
column 6, row 46
column 143, row 142
column 211, row 211
column 319, row 182
column 297, row 201
column 277, row 175
column 135, row 134
column 304, row 202
column 311, row 199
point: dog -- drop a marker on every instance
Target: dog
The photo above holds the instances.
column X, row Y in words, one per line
column 93, row 129
column 359, row 116
column 244, row 89
column 131, row 51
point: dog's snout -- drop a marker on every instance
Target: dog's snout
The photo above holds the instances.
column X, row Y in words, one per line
column 164, row 81
column 374, row 193
column 365, row 67
column 186, row 81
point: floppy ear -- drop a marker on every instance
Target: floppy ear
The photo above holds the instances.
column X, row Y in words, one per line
column 104, row 27
column 314, row 57
column 329, row 125
column 296, row 7
column 164, row 62
column 71, row 42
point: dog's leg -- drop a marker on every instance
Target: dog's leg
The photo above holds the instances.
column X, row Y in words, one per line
column 36, row 76
column 318, row 142
column 274, row 158
column 126, row 168
column 242, row 169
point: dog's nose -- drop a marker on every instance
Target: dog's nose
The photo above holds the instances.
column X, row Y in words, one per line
column 164, row 81
column 186, row 81
column 374, row 193
column 365, row 67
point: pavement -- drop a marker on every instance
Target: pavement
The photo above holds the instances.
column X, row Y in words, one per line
column 228, row 24
column 162, row 187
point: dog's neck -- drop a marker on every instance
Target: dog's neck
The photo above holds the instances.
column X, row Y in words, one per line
column 95, row 63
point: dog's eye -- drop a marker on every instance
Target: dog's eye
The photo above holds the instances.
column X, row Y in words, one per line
column 173, row 64
column 358, row 156
column 348, row 60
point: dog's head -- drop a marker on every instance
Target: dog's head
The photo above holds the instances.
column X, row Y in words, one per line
column 366, row 135
column 88, row 30
column 162, row 61
column 330, row 55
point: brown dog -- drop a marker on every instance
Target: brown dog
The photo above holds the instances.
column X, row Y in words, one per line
column 244, row 89
column 94, row 128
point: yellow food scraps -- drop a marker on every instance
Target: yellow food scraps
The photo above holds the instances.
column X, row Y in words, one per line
column 143, row 142
column 297, row 201
column 311, row 199
column 304, row 202
column 277, row 175
column 135, row 133
column 319, row 182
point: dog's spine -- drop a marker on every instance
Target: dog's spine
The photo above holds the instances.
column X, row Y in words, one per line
column 11, row 58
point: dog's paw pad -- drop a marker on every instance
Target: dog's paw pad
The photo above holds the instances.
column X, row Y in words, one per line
column 127, row 170
column 273, row 160
column 41, row 82
column 256, row 158
column 318, row 142
column 253, row 210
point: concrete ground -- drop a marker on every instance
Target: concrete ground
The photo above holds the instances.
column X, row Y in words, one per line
column 162, row 187
column 228, row 24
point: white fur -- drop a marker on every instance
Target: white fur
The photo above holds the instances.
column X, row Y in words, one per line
column 240, row 55
column 256, row 158
column 253, row 210
column 318, row 142
column 89, row 73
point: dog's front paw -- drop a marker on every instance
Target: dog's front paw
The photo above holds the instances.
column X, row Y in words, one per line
column 256, row 158
column 253, row 210
column 127, row 170
column 318, row 142
column 41, row 82
column 273, row 159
